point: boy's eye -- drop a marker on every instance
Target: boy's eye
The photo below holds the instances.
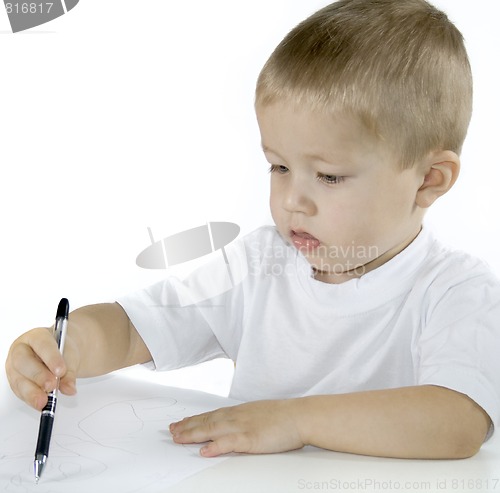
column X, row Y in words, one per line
column 330, row 179
column 326, row 179
column 278, row 168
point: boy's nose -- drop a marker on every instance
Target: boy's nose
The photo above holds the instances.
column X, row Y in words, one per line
column 296, row 199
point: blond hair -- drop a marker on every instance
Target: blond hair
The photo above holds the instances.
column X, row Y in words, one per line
column 398, row 65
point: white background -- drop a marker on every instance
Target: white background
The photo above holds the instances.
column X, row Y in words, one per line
column 122, row 115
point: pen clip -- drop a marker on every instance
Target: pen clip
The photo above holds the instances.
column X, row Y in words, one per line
column 60, row 332
column 61, row 323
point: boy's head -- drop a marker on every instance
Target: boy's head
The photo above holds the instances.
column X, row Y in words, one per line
column 363, row 109
column 400, row 66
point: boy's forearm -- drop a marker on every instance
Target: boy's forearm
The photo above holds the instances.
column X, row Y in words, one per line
column 105, row 339
column 427, row 422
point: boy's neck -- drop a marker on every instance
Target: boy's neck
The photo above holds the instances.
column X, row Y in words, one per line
column 361, row 270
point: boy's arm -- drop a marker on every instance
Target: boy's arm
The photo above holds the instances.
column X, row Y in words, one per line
column 107, row 339
column 423, row 422
column 100, row 339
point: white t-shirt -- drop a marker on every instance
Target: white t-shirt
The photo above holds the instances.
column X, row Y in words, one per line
column 428, row 316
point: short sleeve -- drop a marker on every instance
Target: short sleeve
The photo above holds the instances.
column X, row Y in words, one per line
column 459, row 347
column 189, row 321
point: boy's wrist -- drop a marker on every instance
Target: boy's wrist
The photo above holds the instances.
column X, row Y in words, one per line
column 303, row 412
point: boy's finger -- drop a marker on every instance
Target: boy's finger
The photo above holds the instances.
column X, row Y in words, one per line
column 67, row 385
column 45, row 347
column 29, row 392
column 27, row 365
column 234, row 442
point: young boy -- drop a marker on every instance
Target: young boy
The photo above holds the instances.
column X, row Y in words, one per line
column 352, row 329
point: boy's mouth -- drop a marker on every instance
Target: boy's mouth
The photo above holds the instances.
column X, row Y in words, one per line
column 303, row 240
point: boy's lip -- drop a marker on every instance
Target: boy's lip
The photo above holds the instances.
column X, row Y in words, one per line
column 302, row 233
column 303, row 240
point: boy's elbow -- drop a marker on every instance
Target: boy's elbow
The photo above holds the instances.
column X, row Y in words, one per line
column 465, row 425
column 465, row 447
column 471, row 442
column 471, row 434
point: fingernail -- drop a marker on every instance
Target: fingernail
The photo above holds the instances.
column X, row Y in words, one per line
column 39, row 402
column 58, row 371
column 36, row 403
column 48, row 386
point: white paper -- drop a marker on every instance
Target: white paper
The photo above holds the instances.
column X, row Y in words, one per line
column 112, row 437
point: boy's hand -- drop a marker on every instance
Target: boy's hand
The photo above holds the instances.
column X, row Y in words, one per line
column 254, row 427
column 34, row 362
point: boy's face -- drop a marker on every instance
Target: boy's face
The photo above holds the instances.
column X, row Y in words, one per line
column 336, row 195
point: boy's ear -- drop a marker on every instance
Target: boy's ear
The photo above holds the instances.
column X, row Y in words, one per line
column 440, row 174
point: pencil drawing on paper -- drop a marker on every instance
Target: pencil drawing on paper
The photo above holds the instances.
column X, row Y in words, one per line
column 122, row 444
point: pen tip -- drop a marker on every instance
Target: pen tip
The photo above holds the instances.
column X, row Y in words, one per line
column 39, row 465
column 63, row 308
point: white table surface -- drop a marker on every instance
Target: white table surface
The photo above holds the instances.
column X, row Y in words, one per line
column 313, row 470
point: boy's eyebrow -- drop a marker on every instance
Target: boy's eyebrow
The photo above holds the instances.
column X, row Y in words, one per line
column 266, row 149
column 309, row 156
column 313, row 157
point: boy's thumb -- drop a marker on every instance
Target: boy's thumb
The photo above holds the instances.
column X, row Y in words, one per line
column 67, row 385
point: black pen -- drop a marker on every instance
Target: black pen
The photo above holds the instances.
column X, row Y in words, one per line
column 49, row 411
